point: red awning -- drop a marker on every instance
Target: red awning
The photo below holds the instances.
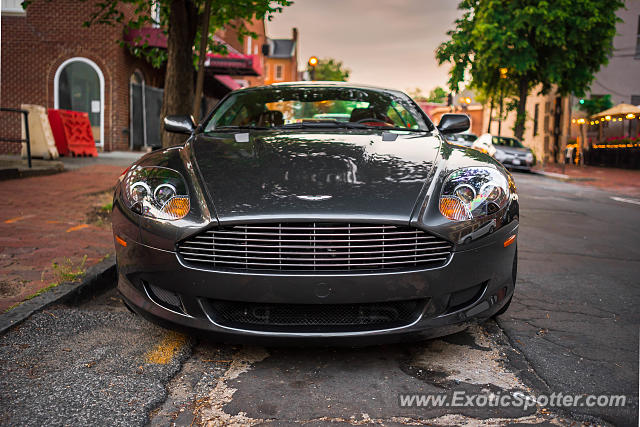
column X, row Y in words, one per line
column 234, row 63
column 228, row 81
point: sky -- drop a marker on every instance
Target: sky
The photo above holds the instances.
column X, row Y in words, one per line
column 388, row 43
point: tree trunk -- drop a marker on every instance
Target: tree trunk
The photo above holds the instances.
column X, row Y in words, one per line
column 521, row 113
column 202, row 54
column 178, row 82
column 490, row 116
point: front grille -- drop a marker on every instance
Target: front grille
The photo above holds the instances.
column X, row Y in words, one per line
column 311, row 247
column 315, row 317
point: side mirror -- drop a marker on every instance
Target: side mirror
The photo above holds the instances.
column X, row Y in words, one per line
column 454, row 123
column 180, row 124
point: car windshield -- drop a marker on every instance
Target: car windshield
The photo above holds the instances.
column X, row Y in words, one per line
column 317, row 107
column 507, row 142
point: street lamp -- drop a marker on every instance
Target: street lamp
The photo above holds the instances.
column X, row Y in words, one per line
column 313, row 62
column 503, row 75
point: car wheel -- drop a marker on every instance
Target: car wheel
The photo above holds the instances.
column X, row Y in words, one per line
column 514, row 274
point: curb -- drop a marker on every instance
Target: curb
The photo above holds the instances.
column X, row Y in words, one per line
column 97, row 278
column 17, row 173
column 560, row 176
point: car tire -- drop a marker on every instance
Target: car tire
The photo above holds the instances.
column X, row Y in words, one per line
column 514, row 274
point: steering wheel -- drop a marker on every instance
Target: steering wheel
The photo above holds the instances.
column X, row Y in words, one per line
column 372, row 121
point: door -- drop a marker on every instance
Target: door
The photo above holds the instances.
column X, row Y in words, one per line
column 79, row 86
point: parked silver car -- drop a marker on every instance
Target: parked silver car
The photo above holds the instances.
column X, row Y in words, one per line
column 512, row 154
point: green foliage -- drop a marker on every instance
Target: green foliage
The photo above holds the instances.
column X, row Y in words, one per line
column 437, row 95
column 66, row 271
column 595, row 105
column 330, row 70
column 561, row 42
column 416, row 94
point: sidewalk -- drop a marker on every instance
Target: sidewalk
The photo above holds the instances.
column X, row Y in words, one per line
column 619, row 181
column 53, row 227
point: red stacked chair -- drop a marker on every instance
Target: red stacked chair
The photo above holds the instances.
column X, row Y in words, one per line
column 72, row 133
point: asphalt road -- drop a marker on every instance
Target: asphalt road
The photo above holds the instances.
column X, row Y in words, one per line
column 573, row 328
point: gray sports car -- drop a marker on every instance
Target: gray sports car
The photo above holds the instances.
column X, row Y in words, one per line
column 275, row 220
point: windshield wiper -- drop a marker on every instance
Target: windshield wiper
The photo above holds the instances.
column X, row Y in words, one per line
column 323, row 124
column 250, row 127
column 399, row 128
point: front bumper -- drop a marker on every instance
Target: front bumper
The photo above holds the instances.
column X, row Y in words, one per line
column 488, row 268
column 520, row 163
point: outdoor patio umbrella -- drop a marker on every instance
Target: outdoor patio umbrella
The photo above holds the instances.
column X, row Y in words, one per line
column 618, row 110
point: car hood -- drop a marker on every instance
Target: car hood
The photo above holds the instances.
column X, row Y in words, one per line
column 513, row 150
column 300, row 174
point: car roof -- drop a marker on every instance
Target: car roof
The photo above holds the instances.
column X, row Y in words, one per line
column 322, row 83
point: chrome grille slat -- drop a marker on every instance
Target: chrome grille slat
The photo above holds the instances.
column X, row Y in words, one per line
column 280, row 252
column 317, row 246
column 242, row 233
column 312, row 239
column 315, row 259
column 387, row 245
column 331, row 265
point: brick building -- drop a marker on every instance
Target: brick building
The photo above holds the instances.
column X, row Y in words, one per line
column 281, row 59
column 48, row 58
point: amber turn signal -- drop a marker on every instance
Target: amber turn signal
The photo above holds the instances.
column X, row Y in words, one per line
column 510, row 240
column 121, row 241
column 452, row 208
column 177, row 208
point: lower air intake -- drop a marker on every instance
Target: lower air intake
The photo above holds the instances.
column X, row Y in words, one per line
column 316, row 317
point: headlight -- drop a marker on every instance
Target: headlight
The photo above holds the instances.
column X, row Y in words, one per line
column 473, row 192
column 156, row 192
column 529, row 157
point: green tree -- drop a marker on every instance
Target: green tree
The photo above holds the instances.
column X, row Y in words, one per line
column 537, row 42
column 416, row 94
column 437, row 95
column 330, row 70
column 594, row 105
column 181, row 21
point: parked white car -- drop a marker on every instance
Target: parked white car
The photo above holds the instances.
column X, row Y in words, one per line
column 485, row 144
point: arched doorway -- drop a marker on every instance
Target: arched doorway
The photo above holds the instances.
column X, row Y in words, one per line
column 79, row 86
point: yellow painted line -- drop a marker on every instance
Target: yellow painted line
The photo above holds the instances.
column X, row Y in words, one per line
column 162, row 354
column 18, row 218
column 77, row 227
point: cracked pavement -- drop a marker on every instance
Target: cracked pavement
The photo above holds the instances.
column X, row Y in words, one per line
column 572, row 328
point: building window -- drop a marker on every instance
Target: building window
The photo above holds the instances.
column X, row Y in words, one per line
column 635, row 100
column 12, row 7
column 279, row 72
column 79, row 86
column 638, row 40
column 536, row 112
column 546, row 128
column 249, row 40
